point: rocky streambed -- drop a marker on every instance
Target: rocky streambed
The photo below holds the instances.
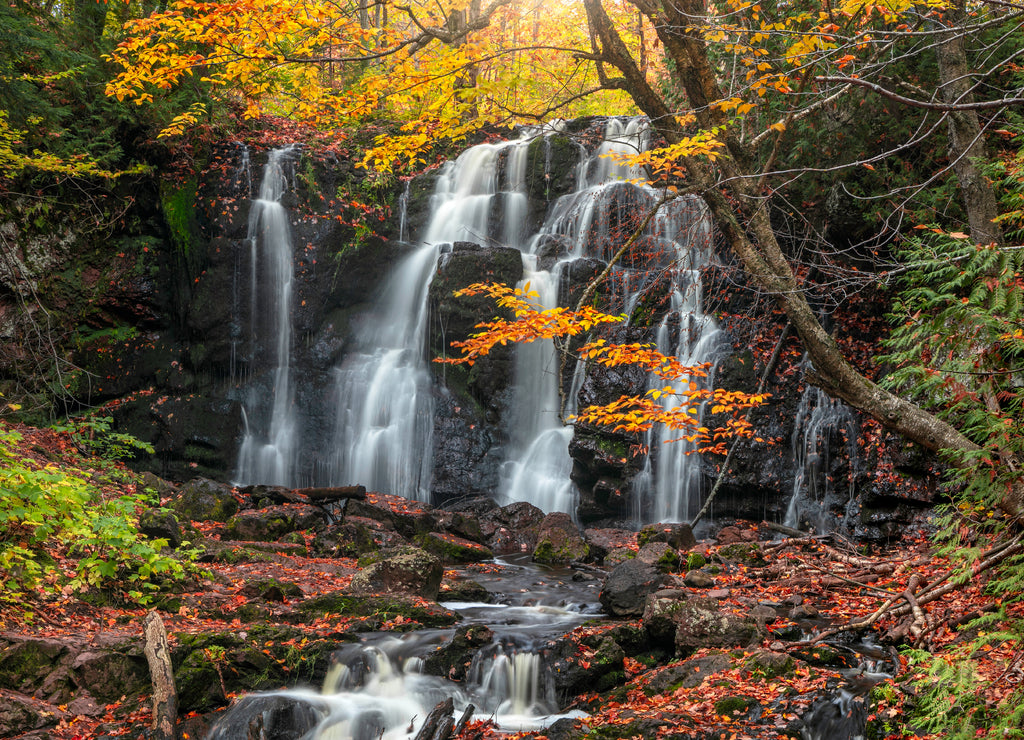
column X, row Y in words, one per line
column 368, row 611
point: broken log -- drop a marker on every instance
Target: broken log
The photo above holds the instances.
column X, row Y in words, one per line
column 165, row 695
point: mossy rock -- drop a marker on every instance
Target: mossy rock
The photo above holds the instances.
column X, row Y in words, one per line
column 735, row 707
column 770, row 664
column 464, row 590
column 453, row 549
column 382, row 607
column 747, row 553
column 271, row 589
column 205, row 500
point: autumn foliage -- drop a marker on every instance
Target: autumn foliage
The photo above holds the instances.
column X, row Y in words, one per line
column 629, row 414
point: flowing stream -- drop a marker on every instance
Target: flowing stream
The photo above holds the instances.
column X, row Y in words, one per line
column 377, row 688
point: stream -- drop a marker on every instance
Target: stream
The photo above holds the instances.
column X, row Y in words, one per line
column 377, row 688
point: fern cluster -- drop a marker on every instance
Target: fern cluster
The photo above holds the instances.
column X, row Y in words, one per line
column 957, row 348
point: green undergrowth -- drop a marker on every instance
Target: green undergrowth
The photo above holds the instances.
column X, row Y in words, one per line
column 72, row 527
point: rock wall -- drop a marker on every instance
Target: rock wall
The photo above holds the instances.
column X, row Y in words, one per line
column 164, row 338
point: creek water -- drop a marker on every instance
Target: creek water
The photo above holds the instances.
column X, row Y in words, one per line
column 377, row 688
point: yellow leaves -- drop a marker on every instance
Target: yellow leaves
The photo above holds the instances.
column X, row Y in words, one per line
column 180, row 122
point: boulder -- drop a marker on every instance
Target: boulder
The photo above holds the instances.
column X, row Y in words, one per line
column 696, row 623
column 628, row 586
column 270, row 716
column 452, row 549
column 274, row 522
column 512, row 528
column 453, row 659
column 660, row 555
column 679, row 536
column 559, row 541
column 20, row 714
column 407, row 570
column 161, row 524
column 580, row 667
column 203, row 500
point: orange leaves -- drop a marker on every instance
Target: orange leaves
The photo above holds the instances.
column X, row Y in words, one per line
column 530, row 323
column 675, row 407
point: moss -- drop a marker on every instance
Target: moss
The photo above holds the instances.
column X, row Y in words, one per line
column 731, row 706
column 748, row 553
column 695, row 561
column 381, row 607
column 452, row 549
column 179, row 206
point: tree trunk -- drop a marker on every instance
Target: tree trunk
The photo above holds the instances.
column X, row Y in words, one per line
column 966, row 143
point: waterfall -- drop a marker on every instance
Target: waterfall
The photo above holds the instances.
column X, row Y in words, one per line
column 270, row 442
column 818, row 419
column 384, row 428
column 384, row 424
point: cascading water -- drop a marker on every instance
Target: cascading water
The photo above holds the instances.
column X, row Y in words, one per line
column 378, row 688
column 267, row 454
column 384, row 425
column 818, row 419
column 592, row 222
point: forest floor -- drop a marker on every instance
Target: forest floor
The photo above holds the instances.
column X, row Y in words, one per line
column 824, row 582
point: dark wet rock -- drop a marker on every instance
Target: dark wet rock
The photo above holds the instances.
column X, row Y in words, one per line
column 688, row 674
column 461, row 524
column 559, row 541
column 408, row 570
column 453, row 659
column 203, row 500
column 274, row 522
column 190, row 435
column 660, row 555
column 161, row 524
column 373, row 605
column 566, row 728
column 679, row 536
column 628, row 586
column 410, row 523
column 696, row 623
column 512, row 528
column 20, row 714
column 463, row 589
column 39, row 667
column 108, row 675
column 588, row 665
column 277, row 717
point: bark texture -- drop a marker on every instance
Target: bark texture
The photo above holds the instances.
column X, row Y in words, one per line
column 165, row 695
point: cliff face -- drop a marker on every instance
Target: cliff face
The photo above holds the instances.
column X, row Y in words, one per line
column 158, row 317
